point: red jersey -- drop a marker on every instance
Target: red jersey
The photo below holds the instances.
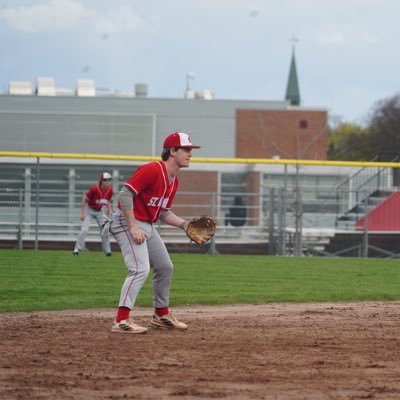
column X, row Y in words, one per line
column 153, row 191
column 98, row 197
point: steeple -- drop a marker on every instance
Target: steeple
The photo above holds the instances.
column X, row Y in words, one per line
column 292, row 89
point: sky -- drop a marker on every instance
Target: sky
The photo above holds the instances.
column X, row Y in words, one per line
column 347, row 51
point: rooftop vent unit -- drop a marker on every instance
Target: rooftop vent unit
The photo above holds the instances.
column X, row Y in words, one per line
column 85, row 87
column 20, row 88
column 190, row 94
column 141, row 90
column 45, row 87
column 205, row 94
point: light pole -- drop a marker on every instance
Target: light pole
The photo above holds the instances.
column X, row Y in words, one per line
column 189, row 77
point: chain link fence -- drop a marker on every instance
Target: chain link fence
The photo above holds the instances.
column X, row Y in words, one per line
column 355, row 215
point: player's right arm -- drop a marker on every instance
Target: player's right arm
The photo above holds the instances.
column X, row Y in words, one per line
column 126, row 204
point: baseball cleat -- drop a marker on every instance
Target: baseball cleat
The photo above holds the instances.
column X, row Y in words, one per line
column 167, row 321
column 127, row 326
column 75, row 253
column 108, row 254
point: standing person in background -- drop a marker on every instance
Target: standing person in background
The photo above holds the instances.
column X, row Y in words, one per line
column 96, row 204
column 146, row 197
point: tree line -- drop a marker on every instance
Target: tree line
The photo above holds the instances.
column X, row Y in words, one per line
column 378, row 140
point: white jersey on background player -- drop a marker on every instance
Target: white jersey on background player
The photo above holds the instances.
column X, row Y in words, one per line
column 145, row 198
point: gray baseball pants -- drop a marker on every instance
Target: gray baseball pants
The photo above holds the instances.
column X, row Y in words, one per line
column 139, row 258
column 98, row 216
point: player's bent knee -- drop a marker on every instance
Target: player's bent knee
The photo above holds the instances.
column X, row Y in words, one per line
column 165, row 268
column 142, row 270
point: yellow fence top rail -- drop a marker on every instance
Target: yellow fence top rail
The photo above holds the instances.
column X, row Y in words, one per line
column 327, row 163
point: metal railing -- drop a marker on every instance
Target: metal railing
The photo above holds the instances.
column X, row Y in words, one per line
column 366, row 182
column 286, row 221
column 40, row 207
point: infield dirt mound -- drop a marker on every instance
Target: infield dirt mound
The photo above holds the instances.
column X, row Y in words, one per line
column 273, row 351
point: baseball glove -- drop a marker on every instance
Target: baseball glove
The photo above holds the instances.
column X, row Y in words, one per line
column 201, row 230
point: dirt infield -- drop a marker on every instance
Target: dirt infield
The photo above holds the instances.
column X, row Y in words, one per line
column 273, row 351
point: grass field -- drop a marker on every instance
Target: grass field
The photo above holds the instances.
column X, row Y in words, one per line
column 54, row 280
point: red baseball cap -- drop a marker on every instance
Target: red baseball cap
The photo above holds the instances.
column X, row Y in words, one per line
column 179, row 139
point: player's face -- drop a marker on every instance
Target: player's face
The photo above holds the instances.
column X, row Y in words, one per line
column 106, row 182
column 182, row 157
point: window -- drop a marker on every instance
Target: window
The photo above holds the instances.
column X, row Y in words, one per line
column 303, row 124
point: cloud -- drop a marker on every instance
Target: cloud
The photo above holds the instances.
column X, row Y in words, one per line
column 351, row 36
column 57, row 15
column 333, row 37
column 123, row 19
column 51, row 16
column 371, row 39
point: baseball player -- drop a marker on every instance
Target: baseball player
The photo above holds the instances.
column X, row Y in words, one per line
column 144, row 199
column 96, row 203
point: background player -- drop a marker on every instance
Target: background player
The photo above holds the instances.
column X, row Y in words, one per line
column 146, row 197
column 96, row 203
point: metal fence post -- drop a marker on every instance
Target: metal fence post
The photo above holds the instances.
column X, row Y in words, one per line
column 271, row 212
column 37, row 204
column 285, row 205
column 365, row 243
column 298, row 213
column 28, row 196
column 21, row 213
column 279, row 245
column 212, row 246
column 71, row 194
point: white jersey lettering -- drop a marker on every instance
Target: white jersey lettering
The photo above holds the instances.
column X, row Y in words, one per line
column 158, row 202
column 153, row 202
column 163, row 202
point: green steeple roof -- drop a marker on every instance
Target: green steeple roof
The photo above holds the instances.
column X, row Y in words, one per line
column 292, row 89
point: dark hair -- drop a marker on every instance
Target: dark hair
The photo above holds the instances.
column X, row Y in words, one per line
column 167, row 152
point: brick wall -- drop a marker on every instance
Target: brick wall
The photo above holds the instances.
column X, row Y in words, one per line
column 196, row 181
column 291, row 134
